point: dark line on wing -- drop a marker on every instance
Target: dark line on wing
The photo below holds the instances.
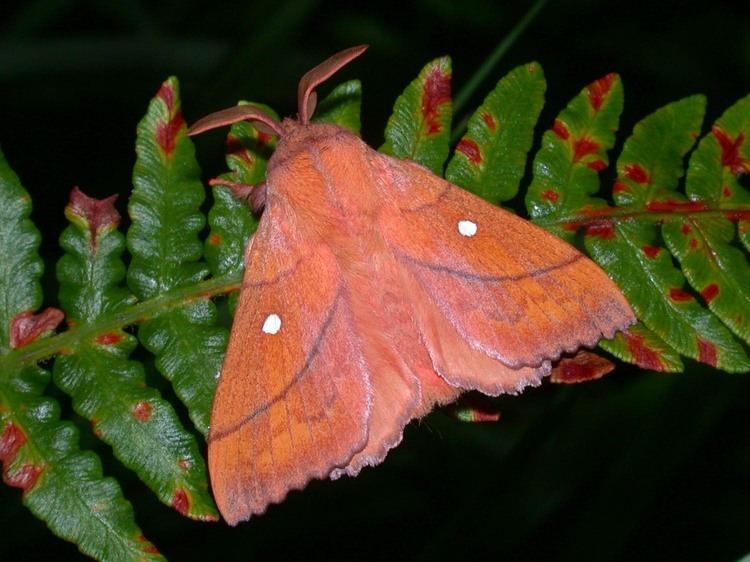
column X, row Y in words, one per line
column 277, row 278
column 429, row 204
column 491, row 278
column 297, row 378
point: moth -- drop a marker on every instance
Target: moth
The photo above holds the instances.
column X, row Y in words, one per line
column 375, row 290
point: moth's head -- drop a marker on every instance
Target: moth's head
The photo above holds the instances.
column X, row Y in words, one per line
column 306, row 101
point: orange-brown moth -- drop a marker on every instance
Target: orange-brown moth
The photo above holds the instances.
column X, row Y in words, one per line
column 375, row 290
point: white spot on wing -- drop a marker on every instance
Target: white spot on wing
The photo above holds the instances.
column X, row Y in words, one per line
column 272, row 324
column 467, row 228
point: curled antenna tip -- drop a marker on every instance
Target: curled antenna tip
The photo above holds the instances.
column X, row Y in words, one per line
column 313, row 78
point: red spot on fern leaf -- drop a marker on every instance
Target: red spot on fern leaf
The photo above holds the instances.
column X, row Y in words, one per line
column 95, row 429
column 470, row 149
column 598, row 91
column 27, row 326
column 685, row 229
column 560, row 129
column 603, row 229
column 643, row 356
column 98, row 214
column 109, row 338
column 583, row 147
column 166, row 94
column 489, row 121
column 730, row 151
column 142, row 411
column 214, row 239
column 550, row 195
column 181, row 502
column 11, row 440
column 166, row 133
column 236, row 148
column 436, row 93
column 597, row 165
column 264, row 138
column 24, row 478
column 583, row 366
column 475, row 408
column 596, row 212
column 710, row 292
column 706, row 352
column 726, row 192
column 636, row 173
column 693, row 243
column 679, row 295
column 479, row 416
column 651, row 251
column 620, row 187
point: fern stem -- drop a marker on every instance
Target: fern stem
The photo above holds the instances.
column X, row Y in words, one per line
column 68, row 341
column 623, row 214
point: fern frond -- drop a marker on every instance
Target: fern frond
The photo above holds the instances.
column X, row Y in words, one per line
column 167, row 254
column 61, row 484
column 107, row 387
column 679, row 253
column 419, row 128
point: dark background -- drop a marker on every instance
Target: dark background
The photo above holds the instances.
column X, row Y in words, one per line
column 638, row 466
